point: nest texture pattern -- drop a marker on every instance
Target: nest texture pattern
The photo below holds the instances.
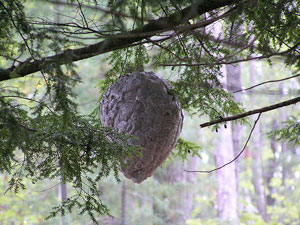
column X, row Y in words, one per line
column 142, row 104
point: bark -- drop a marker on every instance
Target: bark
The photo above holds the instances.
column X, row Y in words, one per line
column 234, row 82
column 252, row 112
column 284, row 148
column 256, row 146
column 257, row 174
column 62, row 193
column 227, row 192
column 272, row 165
column 117, row 42
column 227, row 197
column 188, row 194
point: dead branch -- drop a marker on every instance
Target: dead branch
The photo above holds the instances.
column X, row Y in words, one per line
column 235, row 158
column 252, row 112
column 225, row 63
column 266, row 82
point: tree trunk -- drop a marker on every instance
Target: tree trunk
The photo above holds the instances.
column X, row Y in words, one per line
column 63, row 185
column 257, row 173
column 182, row 202
column 227, row 188
column 226, row 149
column 62, row 193
column 187, row 195
column 234, row 83
column 272, row 164
column 123, row 216
column 256, row 145
column 284, row 148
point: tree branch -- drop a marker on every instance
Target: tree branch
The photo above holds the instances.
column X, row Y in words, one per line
column 252, row 112
column 235, row 158
column 111, row 43
column 283, row 53
column 266, row 82
column 225, row 63
column 95, row 8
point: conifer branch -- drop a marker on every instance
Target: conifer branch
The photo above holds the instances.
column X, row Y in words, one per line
column 228, row 62
column 267, row 82
column 235, row 158
column 113, row 43
column 252, row 112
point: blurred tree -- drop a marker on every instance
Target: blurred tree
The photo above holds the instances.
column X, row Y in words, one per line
column 227, row 188
column 256, row 149
column 181, row 198
column 123, row 197
column 234, row 84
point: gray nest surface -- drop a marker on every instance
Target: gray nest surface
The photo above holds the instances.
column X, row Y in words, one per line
column 141, row 104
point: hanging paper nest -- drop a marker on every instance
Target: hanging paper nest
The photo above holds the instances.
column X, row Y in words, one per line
column 142, row 104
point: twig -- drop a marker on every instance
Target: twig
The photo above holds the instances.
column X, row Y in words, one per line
column 235, row 158
column 24, row 39
column 95, row 8
column 47, row 189
column 120, row 41
column 251, row 44
column 166, row 49
column 224, row 63
column 252, row 112
column 266, row 82
column 28, row 99
column 286, row 44
column 84, row 21
column 234, row 61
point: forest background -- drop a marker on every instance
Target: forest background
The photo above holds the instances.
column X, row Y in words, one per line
column 232, row 53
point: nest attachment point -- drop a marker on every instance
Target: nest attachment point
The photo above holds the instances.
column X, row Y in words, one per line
column 141, row 104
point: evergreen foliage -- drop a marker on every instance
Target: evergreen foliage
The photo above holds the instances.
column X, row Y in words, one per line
column 184, row 149
column 47, row 137
column 290, row 131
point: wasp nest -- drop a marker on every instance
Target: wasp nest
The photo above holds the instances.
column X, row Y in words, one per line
column 142, row 104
